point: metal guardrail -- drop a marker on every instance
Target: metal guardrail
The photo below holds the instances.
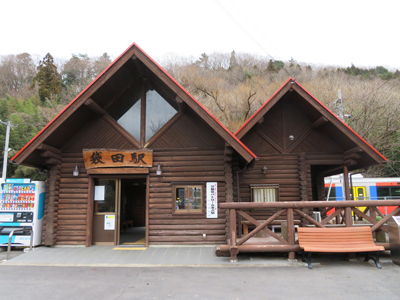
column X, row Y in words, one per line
column 11, row 235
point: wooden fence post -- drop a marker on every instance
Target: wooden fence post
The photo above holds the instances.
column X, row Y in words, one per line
column 290, row 231
column 233, row 249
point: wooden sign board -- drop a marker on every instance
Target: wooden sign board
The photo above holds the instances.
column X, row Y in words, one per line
column 111, row 158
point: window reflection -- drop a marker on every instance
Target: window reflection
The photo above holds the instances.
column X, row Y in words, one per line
column 158, row 113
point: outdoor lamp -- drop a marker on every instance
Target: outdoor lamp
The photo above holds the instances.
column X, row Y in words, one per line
column 75, row 172
column 159, row 171
column 264, row 170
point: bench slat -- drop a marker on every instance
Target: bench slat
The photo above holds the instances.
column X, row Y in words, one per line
column 347, row 239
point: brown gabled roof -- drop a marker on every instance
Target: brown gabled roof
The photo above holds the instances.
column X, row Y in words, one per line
column 134, row 51
column 292, row 85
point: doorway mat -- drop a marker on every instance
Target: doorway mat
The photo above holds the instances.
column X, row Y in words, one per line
column 139, row 242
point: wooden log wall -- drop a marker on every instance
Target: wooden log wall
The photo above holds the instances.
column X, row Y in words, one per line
column 72, row 207
column 228, row 183
column 50, row 217
column 283, row 169
column 185, row 166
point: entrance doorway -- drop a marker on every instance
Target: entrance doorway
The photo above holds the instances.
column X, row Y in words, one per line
column 119, row 212
column 133, row 212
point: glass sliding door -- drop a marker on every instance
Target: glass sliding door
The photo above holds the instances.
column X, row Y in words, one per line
column 105, row 213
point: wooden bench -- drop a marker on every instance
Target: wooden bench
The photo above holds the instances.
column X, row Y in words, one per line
column 346, row 239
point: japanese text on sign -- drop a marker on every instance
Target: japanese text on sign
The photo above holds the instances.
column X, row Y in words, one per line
column 212, row 200
column 106, row 158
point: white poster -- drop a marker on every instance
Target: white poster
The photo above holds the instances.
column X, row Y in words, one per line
column 109, row 222
column 99, row 192
column 212, row 200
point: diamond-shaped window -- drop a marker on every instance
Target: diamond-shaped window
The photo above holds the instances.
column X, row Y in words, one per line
column 158, row 112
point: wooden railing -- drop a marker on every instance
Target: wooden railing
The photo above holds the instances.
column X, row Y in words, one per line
column 342, row 215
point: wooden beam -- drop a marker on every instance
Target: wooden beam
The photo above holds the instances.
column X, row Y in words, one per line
column 53, row 161
column 50, row 154
column 232, row 229
column 301, row 137
column 321, row 121
column 311, row 220
column 182, row 104
column 385, row 219
column 110, row 120
column 121, row 93
column 290, row 231
column 95, row 107
column 46, row 147
column 118, row 171
column 346, row 183
column 354, row 156
column 143, row 116
column 349, row 162
column 263, row 111
column 164, row 129
column 260, row 226
column 353, row 150
column 269, row 141
column 138, row 65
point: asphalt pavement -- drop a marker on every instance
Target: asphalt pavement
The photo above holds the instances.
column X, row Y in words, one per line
column 337, row 281
column 272, row 277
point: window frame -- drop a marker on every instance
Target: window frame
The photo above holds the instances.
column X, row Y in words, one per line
column 187, row 211
column 264, row 186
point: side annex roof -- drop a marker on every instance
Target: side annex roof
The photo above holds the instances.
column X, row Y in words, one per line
column 334, row 123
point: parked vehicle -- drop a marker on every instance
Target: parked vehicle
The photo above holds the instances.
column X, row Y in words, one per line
column 364, row 189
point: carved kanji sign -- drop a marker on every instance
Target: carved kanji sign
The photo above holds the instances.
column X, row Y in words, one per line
column 111, row 158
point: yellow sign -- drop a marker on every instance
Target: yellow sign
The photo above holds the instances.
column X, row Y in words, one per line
column 110, row 158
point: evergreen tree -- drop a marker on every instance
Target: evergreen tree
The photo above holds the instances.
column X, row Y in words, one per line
column 232, row 61
column 203, row 61
column 271, row 67
column 47, row 78
column 279, row 64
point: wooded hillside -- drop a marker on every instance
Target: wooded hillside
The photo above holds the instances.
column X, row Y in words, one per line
column 231, row 85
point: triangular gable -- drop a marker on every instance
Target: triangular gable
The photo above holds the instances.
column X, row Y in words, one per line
column 101, row 80
column 292, row 85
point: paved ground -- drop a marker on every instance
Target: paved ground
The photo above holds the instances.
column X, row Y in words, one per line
column 254, row 277
column 108, row 256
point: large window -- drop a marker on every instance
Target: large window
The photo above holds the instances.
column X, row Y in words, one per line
column 264, row 192
column 143, row 111
column 388, row 192
column 188, row 199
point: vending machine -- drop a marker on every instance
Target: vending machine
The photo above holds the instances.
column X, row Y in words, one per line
column 21, row 207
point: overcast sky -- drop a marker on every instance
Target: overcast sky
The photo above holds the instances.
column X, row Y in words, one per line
column 365, row 33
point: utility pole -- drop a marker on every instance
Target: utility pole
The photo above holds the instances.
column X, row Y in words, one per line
column 339, row 102
column 6, row 149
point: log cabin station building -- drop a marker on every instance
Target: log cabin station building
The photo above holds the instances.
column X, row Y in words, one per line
column 136, row 149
